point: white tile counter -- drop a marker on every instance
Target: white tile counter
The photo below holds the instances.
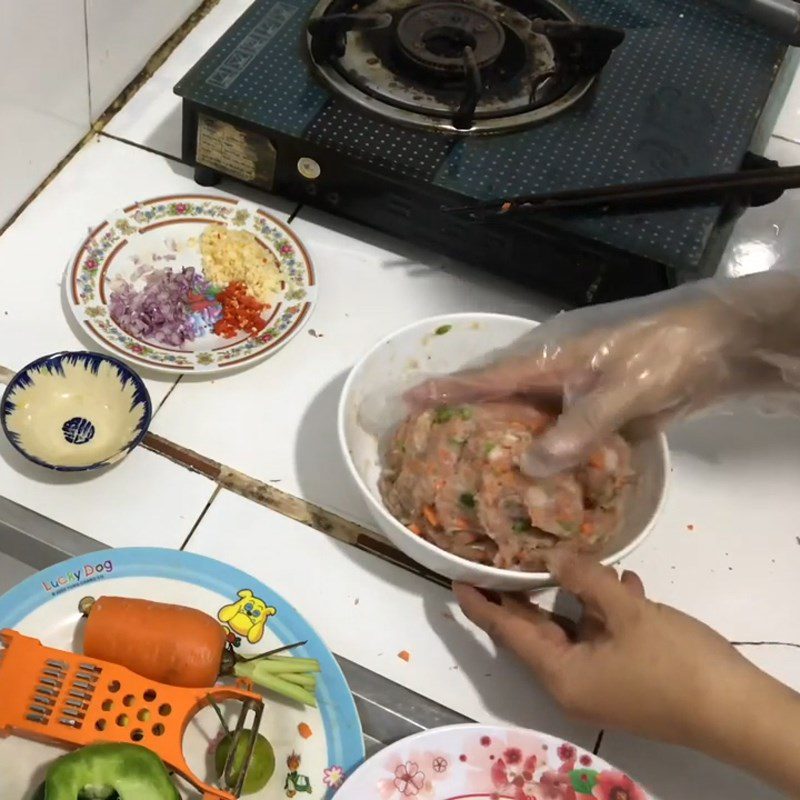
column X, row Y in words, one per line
column 674, row 773
column 368, row 286
column 144, row 499
column 726, row 549
column 726, row 546
column 369, row 611
column 104, row 176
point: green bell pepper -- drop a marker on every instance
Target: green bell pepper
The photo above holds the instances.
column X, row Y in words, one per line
column 99, row 771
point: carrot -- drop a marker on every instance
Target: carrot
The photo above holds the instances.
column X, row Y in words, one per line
column 404, row 655
column 597, row 460
column 463, row 524
column 414, row 528
column 587, row 528
column 305, row 730
column 431, row 516
column 166, row 643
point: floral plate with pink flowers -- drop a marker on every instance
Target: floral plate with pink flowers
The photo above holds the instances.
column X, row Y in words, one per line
column 481, row 762
column 162, row 236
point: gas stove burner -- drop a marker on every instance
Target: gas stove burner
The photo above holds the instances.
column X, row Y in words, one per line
column 435, row 36
column 465, row 66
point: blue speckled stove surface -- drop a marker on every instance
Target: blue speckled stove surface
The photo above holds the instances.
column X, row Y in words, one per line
column 681, row 96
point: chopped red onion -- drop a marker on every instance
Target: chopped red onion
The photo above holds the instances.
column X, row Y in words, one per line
column 159, row 312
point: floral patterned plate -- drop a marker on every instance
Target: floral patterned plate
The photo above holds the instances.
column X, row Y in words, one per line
column 482, row 762
column 164, row 232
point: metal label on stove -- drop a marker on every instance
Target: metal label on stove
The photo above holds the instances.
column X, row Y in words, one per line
column 245, row 155
column 259, row 37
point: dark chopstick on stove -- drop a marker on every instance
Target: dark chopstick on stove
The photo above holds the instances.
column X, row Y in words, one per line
column 680, row 192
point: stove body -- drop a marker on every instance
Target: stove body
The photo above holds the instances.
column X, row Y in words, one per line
column 410, row 109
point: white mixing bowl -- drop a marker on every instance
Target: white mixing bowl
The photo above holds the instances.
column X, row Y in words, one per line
column 419, row 351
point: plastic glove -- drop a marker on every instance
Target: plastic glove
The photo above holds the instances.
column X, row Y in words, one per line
column 649, row 669
column 634, row 365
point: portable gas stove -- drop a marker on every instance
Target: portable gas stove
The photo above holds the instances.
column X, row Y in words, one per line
column 391, row 111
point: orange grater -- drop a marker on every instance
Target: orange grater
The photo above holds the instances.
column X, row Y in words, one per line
column 62, row 698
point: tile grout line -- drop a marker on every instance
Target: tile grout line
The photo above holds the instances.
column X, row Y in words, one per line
column 303, row 511
column 167, row 395
column 140, row 146
column 311, row 515
column 217, row 490
column 154, row 62
column 785, row 138
column 88, row 62
column 766, row 644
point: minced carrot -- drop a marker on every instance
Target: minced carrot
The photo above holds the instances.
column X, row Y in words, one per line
column 404, row 655
column 414, row 528
column 462, row 523
column 587, row 528
column 305, row 730
column 431, row 515
column 597, row 460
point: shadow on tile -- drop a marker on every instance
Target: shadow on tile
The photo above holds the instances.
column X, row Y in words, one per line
column 34, row 472
column 674, row 773
column 741, row 435
column 321, row 468
column 498, row 677
column 167, row 136
column 418, row 260
column 270, row 202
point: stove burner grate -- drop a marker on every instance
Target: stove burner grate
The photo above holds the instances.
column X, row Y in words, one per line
column 461, row 66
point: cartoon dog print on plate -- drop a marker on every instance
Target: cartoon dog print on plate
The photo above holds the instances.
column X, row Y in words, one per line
column 247, row 617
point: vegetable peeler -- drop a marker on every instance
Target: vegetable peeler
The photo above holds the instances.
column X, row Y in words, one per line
column 70, row 700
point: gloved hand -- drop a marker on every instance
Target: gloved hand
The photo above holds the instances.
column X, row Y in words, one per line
column 634, row 365
column 649, row 669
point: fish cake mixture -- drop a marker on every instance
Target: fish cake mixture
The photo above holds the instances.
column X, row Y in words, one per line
column 452, row 476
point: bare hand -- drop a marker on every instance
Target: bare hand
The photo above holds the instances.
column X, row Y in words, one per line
column 635, row 664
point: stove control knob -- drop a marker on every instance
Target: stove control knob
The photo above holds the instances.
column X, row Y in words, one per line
column 309, row 168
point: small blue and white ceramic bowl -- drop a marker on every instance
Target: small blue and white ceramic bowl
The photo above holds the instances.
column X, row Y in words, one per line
column 75, row 411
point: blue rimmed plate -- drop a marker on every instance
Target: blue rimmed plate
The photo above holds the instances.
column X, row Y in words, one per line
column 75, row 411
column 45, row 606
